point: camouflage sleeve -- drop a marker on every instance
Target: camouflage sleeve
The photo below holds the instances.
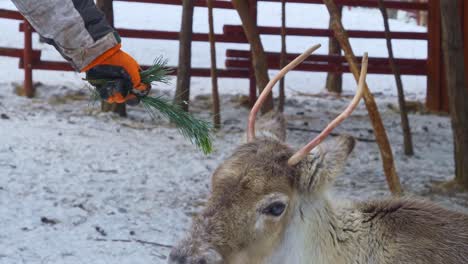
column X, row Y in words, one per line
column 77, row 28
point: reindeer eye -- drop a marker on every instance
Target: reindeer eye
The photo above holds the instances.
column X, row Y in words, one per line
column 274, row 209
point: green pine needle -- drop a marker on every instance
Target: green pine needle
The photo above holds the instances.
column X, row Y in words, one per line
column 197, row 131
column 95, row 96
column 158, row 72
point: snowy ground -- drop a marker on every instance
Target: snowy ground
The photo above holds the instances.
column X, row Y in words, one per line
column 80, row 186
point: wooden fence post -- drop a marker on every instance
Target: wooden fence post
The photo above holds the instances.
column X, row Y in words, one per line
column 374, row 115
column 434, row 58
column 464, row 15
column 27, row 60
column 252, row 80
column 437, row 95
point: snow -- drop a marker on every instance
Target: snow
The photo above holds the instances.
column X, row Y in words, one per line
column 104, row 179
column 80, row 186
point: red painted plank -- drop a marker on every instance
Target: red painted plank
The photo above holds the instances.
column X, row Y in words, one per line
column 199, row 3
column 243, row 65
column 10, row 14
column 13, row 52
column 245, row 54
column 435, row 78
column 235, row 34
column 168, row 35
column 148, row 34
column 231, row 29
column 171, row 35
column 199, row 72
column 325, row 67
column 365, row 3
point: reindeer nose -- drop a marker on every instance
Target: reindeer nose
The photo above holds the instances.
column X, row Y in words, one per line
column 176, row 259
column 178, row 256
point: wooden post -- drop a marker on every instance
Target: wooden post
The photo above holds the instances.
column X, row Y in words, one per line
column 252, row 80
column 464, row 15
column 435, row 80
column 27, row 60
column 252, row 85
column 214, row 68
column 407, row 141
column 184, row 68
column 283, row 57
column 107, row 7
column 437, row 94
column 453, row 50
column 248, row 15
column 334, row 82
column 374, row 115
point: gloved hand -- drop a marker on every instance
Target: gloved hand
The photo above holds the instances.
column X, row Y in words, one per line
column 121, row 75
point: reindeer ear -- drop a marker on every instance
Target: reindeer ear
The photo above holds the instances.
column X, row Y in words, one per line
column 324, row 163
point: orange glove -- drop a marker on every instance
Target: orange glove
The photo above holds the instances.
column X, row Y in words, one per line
column 121, row 75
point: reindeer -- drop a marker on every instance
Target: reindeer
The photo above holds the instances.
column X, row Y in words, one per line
column 269, row 204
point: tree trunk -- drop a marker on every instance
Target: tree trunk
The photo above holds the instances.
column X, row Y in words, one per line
column 452, row 46
column 407, row 141
column 283, row 59
column 214, row 70
column 182, row 95
column 334, row 82
column 107, row 8
column 259, row 59
column 374, row 115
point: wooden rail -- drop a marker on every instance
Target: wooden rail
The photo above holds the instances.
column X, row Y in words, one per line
column 238, row 62
column 10, row 14
column 168, row 35
column 328, row 63
column 232, row 53
column 363, row 3
column 13, row 52
column 199, row 72
column 315, row 32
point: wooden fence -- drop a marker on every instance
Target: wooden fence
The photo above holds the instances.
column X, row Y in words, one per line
column 238, row 61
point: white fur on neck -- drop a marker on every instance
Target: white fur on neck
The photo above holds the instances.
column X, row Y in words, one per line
column 309, row 237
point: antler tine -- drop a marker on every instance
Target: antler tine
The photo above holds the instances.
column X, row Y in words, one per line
column 302, row 153
column 261, row 99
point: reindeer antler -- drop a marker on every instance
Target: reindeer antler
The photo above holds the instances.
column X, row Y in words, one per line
column 302, row 153
column 261, row 99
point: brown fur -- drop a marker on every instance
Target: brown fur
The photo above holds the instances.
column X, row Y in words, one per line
column 234, row 228
column 254, row 170
column 418, row 231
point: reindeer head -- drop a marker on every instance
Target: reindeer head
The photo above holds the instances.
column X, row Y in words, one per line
column 259, row 190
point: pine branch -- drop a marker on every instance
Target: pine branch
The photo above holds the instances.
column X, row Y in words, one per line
column 158, row 72
column 197, row 131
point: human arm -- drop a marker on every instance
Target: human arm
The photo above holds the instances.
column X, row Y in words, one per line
column 82, row 35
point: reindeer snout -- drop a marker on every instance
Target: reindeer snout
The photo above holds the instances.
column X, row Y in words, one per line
column 181, row 255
